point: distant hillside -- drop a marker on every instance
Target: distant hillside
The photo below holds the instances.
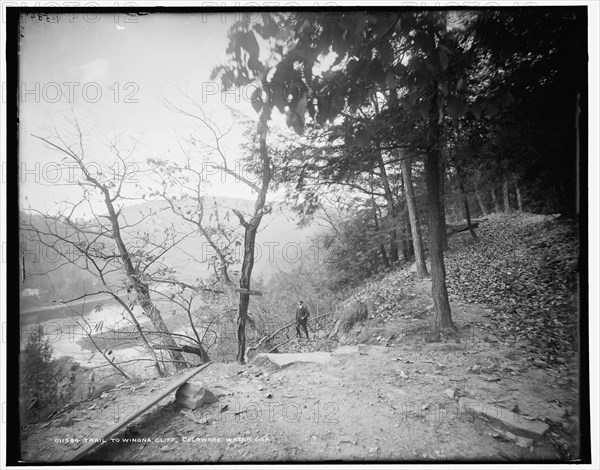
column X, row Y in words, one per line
column 47, row 272
column 279, row 242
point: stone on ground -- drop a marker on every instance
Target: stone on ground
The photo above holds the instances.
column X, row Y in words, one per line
column 515, row 422
column 192, row 395
column 287, row 359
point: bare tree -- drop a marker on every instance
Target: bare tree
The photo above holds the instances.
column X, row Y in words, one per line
column 249, row 222
column 189, row 201
column 99, row 243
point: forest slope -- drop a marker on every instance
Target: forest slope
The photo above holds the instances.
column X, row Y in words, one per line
column 525, row 269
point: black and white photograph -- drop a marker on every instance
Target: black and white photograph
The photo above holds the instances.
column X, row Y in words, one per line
column 299, row 234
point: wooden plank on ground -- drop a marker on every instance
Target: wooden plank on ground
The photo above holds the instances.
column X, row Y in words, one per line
column 89, row 447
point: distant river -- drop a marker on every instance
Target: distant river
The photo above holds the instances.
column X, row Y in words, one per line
column 61, row 325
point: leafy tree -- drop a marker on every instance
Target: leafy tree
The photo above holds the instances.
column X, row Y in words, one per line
column 354, row 245
column 373, row 51
column 378, row 82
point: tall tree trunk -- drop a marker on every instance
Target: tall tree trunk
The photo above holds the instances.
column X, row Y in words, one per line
column 481, row 202
column 394, row 245
column 389, row 197
column 497, row 207
column 140, row 287
column 463, row 195
column 405, row 254
column 407, row 248
column 386, row 261
column 518, row 191
column 384, row 257
column 443, row 202
column 505, row 194
column 436, row 229
column 246, row 276
column 414, row 220
column 468, row 217
column 405, row 241
column 410, row 252
column 251, row 228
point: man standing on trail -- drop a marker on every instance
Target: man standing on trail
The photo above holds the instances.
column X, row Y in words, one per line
column 302, row 315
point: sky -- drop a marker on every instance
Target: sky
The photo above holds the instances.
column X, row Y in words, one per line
column 114, row 73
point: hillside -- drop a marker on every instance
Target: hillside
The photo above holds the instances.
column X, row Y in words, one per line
column 525, row 269
column 505, row 388
column 279, row 239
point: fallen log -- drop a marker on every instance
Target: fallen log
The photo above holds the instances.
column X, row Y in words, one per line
column 186, row 349
column 279, row 345
column 272, row 335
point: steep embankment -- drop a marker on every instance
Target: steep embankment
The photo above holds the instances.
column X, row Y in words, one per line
column 524, row 269
column 400, row 395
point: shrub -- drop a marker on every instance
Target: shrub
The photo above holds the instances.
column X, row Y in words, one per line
column 351, row 315
column 40, row 379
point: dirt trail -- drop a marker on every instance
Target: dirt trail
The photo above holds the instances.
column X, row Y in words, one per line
column 394, row 397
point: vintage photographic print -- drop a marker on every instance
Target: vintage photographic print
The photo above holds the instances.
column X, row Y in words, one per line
column 297, row 234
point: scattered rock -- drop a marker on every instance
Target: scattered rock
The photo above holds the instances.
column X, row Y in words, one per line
column 492, row 379
column 190, row 414
column 449, row 392
column 573, row 428
column 533, row 429
column 524, row 442
column 286, row 359
column 192, row 395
